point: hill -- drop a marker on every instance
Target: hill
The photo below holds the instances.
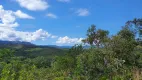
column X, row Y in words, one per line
column 15, row 44
column 28, row 49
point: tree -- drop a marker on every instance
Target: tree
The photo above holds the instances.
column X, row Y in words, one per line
column 136, row 25
column 18, row 71
column 91, row 35
column 94, row 36
column 76, row 50
column 127, row 33
column 123, row 45
column 6, row 55
column 63, row 63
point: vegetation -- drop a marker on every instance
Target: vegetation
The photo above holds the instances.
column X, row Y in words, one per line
column 117, row 57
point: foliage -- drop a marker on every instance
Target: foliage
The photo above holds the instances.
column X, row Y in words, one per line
column 96, row 37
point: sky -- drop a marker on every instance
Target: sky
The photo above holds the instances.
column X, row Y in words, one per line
column 62, row 22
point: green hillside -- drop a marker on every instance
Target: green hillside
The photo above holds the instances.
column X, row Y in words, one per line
column 26, row 49
column 38, row 51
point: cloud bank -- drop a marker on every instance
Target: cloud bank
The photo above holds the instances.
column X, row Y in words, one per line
column 8, row 26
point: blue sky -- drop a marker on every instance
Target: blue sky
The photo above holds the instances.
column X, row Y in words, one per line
column 63, row 22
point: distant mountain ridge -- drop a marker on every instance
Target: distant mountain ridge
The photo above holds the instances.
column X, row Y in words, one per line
column 28, row 49
column 6, row 44
column 9, row 44
column 15, row 42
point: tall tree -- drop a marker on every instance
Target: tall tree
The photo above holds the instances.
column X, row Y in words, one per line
column 136, row 24
column 95, row 37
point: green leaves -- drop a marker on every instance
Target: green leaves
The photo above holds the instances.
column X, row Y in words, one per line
column 96, row 37
column 75, row 50
column 18, row 71
column 63, row 63
column 6, row 53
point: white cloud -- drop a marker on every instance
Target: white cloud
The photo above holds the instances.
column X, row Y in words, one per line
column 51, row 15
column 82, row 12
column 33, row 5
column 13, row 35
column 68, row 41
column 53, row 36
column 8, row 26
column 64, row 0
column 20, row 14
column 7, row 18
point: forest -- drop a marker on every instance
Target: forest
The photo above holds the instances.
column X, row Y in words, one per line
column 109, row 57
